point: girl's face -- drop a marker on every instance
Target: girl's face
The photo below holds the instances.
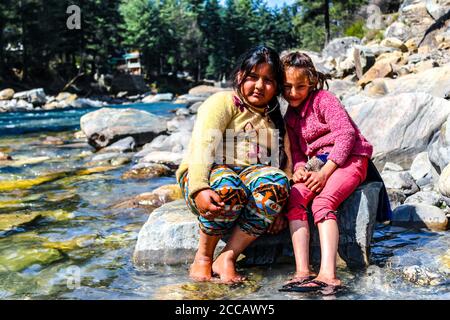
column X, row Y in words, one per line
column 296, row 86
column 259, row 87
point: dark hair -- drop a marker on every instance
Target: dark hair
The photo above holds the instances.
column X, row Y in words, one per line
column 298, row 59
column 254, row 56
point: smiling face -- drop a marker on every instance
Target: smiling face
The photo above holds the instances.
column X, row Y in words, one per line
column 259, row 86
column 296, row 86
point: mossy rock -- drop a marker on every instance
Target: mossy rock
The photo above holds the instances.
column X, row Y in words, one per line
column 11, row 220
column 209, row 290
column 10, row 185
column 19, row 258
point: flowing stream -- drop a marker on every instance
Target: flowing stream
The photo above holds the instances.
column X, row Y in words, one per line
column 61, row 239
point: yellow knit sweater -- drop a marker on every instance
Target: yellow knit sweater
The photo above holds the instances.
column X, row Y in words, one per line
column 229, row 134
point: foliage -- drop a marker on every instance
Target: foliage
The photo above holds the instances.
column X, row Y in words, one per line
column 356, row 30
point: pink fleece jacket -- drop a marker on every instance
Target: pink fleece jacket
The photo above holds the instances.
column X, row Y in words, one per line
column 322, row 125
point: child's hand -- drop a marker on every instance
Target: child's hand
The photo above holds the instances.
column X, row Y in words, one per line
column 300, row 175
column 316, row 181
column 209, row 204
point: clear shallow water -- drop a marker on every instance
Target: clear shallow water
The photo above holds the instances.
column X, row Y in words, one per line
column 83, row 248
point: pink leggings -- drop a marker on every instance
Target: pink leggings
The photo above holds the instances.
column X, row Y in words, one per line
column 339, row 186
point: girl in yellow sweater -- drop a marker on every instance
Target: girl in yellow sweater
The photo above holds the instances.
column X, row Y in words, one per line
column 230, row 176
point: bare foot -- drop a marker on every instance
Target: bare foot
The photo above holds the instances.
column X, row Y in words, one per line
column 301, row 277
column 201, row 269
column 225, row 267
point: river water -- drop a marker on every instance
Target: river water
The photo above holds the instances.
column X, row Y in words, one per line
column 71, row 243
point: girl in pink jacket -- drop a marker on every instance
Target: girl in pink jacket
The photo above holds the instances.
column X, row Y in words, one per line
column 330, row 158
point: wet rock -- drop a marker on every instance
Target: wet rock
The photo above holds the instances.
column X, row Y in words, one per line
column 9, row 185
column 422, row 276
column 147, row 171
column 208, row 290
column 170, row 236
column 79, row 135
column 415, row 118
column 5, row 157
column 154, row 199
column 158, row 97
column 419, row 216
column 19, row 258
column 53, row 141
column 125, row 145
column 10, row 221
column 106, row 126
column 6, row 94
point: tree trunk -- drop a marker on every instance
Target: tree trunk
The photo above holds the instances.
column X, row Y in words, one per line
column 327, row 20
column 2, row 52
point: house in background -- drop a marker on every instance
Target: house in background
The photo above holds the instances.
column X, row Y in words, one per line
column 133, row 63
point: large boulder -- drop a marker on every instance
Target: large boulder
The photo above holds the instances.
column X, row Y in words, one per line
column 419, row 215
column 35, row 96
column 106, row 126
column 415, row 117
column 170, row 235
column 204, row 90
column 435, row 81
column 439, row 147
column 338, row 47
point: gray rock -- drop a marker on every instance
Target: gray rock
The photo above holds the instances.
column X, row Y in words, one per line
column 189, row 99
column 176, row 142
column 158, row 97
column 439, row 147
column 419, row 216
column 170, row 235
column 124, row 145
column 338, row 47
column 437, row 8
column 35, row 96
column 431, row 198
column 444, row 182
column 390, row 166
column 181, row 123
column 422, row 167
column 401, row 180
column 171, row 159
column 193, row 109
column 398, row 30
column 183, row 112
column 342, row 88
column 435, row 81
column 414, row 117
column 106, row 126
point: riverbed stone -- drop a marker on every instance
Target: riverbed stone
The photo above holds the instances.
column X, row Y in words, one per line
column 418, row 215
column 35, row 96
column 170, row 159
column 431, row 198
column 106, row 126
column 444, row 182
column 6, row 94
column 124, row 145
column 401, row 180
column 170, row 235
column 147, row 171
column 158, row 97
